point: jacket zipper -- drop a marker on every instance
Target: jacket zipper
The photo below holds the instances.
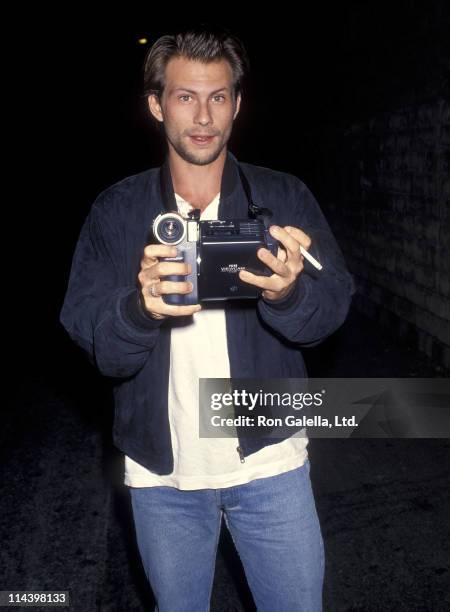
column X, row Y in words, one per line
column 241, row 454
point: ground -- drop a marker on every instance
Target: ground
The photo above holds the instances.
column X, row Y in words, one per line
column 66, row 524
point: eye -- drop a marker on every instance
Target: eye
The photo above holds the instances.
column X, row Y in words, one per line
column 184, row 96
column 219, row 98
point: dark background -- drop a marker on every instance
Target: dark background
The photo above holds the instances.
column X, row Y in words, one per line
column 328, row 86
column 352, row 100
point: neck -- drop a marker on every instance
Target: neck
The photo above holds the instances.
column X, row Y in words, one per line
column 198, row 185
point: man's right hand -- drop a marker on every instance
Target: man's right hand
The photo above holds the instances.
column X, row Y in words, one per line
column 150, row 279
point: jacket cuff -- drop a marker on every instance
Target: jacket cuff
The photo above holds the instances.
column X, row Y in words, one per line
column 288, row 301
column 134, row 312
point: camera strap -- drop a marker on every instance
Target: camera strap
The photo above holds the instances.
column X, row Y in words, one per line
column 254, row 211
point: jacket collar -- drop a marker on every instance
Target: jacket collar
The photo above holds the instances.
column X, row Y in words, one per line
column 230, row 181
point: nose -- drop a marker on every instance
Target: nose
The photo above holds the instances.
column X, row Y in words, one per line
column 203, row 114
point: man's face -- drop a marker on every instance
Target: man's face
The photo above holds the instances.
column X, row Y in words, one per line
column 197, row 101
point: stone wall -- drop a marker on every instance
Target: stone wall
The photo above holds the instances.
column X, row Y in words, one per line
column 392, row 215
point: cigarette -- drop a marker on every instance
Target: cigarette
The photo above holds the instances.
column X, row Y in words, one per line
column 310, row 258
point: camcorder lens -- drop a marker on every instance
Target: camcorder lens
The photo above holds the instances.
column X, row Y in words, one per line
column 170, row 230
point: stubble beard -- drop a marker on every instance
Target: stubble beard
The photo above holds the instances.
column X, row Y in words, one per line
column 181, row 148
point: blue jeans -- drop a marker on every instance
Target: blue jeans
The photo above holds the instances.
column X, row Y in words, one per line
column 273, row 524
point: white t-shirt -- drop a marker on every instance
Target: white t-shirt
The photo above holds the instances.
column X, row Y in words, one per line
column 199, row 350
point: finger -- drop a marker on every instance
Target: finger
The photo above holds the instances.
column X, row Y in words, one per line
column 178, row 311
column 153, row 251
column 167, row 287
column 272, row 262
column 165, row 268
column 299, row 235
column 272, row 283
column 281, row 254
column 146, row 275
column 291, row 245
column 158, row 307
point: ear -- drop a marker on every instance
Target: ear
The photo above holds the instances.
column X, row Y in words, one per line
column 238, row 106
column 155, row 107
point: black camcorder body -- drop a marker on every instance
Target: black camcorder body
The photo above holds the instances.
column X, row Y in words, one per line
column 216, row 251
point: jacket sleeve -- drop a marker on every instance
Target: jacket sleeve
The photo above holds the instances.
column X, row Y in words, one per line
column 101, row 314
column 320, row 300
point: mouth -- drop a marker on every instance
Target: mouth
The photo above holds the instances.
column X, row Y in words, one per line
column 201, row 140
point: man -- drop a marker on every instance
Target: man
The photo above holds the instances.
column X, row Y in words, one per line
column 181, row 484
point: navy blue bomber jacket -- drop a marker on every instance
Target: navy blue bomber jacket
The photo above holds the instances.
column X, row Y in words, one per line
column 103, row 315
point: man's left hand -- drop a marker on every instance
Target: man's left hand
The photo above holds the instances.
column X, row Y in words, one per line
column 287, row 265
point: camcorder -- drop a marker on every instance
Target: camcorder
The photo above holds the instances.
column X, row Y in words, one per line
column 216, row 251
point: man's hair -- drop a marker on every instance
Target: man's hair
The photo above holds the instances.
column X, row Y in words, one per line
column 204, row 43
